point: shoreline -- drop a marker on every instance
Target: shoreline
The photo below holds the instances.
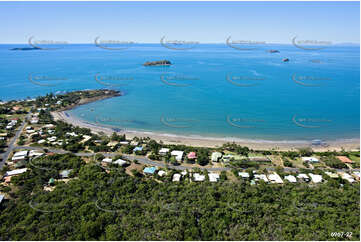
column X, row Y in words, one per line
column 211, row 142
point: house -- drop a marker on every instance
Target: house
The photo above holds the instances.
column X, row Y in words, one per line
column 213, row 177
column 138, row 148
column 315, row 178
column 134, row 143
column 303, row 177
column 176, row 177
column 228, row 157
column 1, row 198
column 149, row 170
column 198, row 177
column 347, row 177
column 216, row 156
column 291, row 178
column 120, row 162
column 244, row 175
column 275, row 178
column 34, row 120
column 310, row 159
column 192, row 156
column 258, row 177
column 21, row 153
column 107, row 160
column 112, row 143
column 49, row 126
column 86, row 138
column 184, row 173
column 65, row 173
column 123, row 142
column 72, row 134
column 163, row 151
column 357, row 175
column 41, row 141
column 16, row 172
column 18, row 158
column 51, row 139
column 161, row 173
column 344, row 159
column 178, row 154
column 330, row 174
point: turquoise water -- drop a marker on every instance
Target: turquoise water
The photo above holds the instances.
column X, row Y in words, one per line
column 210, row 90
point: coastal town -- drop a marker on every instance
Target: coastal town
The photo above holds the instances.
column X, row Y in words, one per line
column 29, row 135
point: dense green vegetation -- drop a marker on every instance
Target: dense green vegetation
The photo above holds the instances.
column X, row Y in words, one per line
column 115, row 206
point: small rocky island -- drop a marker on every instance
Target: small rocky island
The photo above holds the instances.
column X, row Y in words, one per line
column 286, row 60
column 158, row 63
column 274, row 51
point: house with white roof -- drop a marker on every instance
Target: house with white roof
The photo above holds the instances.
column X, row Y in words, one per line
column 213, row 177
column 176, row 177
column 184, row 173
column 291, row 178
column 120, row 162
column 315, row 178
column 198, row 177
column 347, row 177
column 163, row 151
column 275, row 178
column 51, row 139
column 21, row 153
column 16, row 172
column 244, row 175
column 41, row 141
column 35, row 153
column 330, row 174
column 303, row 176
column 161, row 173
column 310, row 159
column 258, row 177
column 178, row 154
column 216, row 156
column 107, row 160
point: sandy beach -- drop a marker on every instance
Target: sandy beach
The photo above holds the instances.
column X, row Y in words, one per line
column 208, row 141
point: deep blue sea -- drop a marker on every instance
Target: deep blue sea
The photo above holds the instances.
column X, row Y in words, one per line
column 211, row 90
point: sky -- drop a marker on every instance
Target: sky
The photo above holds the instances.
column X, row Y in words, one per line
column 204, row 22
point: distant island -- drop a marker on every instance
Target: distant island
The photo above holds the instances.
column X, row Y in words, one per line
column 273, row 51
column 26, row 48
column 158, row 63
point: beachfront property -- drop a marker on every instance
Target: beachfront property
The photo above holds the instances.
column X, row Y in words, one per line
column 192, row 156
column 216, row 156
column 177, row 154
column 310, row 159
column 344, row 159
column 163, row 151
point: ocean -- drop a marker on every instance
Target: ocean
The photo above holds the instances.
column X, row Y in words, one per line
column 210, row 90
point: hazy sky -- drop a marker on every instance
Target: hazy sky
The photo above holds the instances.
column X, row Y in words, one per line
column 209, row 22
